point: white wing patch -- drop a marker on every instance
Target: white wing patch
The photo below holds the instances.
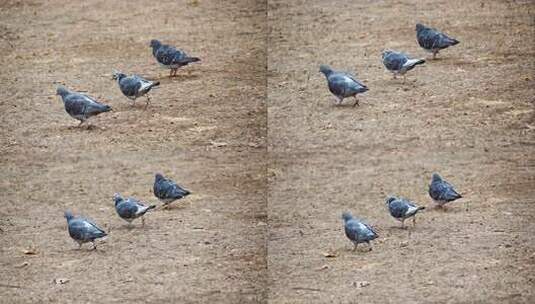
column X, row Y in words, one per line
column 141, row 209
column 410, row 62
column 145, row 85
column 411, row 210
column 348, row 80
column 363, row 227
column 89, row 99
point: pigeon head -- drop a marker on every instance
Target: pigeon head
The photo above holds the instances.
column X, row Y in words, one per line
column 118, row 75
column 117, row 198
column 347, row 216
column 158, row 177
column 390, row 199
column 68, row 215
column 386, row 53
column 326, row 70
column 420, row 27
column 436, row 178
column 62, row 91
column 155, row 43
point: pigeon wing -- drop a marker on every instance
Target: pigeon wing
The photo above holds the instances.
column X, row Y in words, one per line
column 129, row 86
column 394, row 61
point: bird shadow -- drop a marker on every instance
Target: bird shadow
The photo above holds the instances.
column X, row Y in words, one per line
column 447, row 210
column 87, row 250
column 140, row 106
column 177, row 78
column 86, row 128
column 126, row 227
column 346, row 105
column 171, row 207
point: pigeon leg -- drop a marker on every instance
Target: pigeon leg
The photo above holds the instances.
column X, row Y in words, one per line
column 355, row 247
column 356, row 102
column 81, row 122
column 394, row 74
column 94, row 245
column 404, row 78
column 148, row 101
column 79, row 246
column 403, row 224
column 414, row 221
column 370, row 246
column 434, row 55
column 143, row 221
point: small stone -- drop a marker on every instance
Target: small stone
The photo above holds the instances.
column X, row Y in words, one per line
column 361, row 284
column 61, row 281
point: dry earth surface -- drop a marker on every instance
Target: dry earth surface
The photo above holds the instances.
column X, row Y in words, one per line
column 205, row 128
column 280, row 154
column 469, row 116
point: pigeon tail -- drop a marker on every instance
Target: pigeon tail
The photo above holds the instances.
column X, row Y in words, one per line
column 105, row 108
column 454, row 41
column 191, row 59
column 421, row 61
column 117, row 75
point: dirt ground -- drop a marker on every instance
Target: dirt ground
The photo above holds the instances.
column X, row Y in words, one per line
column 206, row 129
column 469, row 116
column 271, row 161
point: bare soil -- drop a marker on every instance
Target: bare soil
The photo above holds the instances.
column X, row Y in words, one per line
column 205, row 128
column 253, row 131
column 468, row 115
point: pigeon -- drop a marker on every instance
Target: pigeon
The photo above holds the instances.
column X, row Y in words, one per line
column 342, row 85
column 130, row 209
column 170, row 57
column 399, row 63
column 134, row 86
column 432, row 40
column 441, row 191
column 83, row 230
column 167, row 190
column 401, row 209
column 80, row 106
column 357, row 231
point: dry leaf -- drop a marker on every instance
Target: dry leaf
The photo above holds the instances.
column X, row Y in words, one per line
column 24, row 264
column 30, row 251
column 218, row 144
column 330, row 254
column 61, row 281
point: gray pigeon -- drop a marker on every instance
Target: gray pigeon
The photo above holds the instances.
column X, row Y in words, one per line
column 130, row 209
column 83, row 230
column 399, row 63
column 432, row 40
column 134, row 86
column 441, row 191
column 167, row 190
column 402, row 209
column 80, row 106
column 358, row 231
column 170, row 57
column 342, row 84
